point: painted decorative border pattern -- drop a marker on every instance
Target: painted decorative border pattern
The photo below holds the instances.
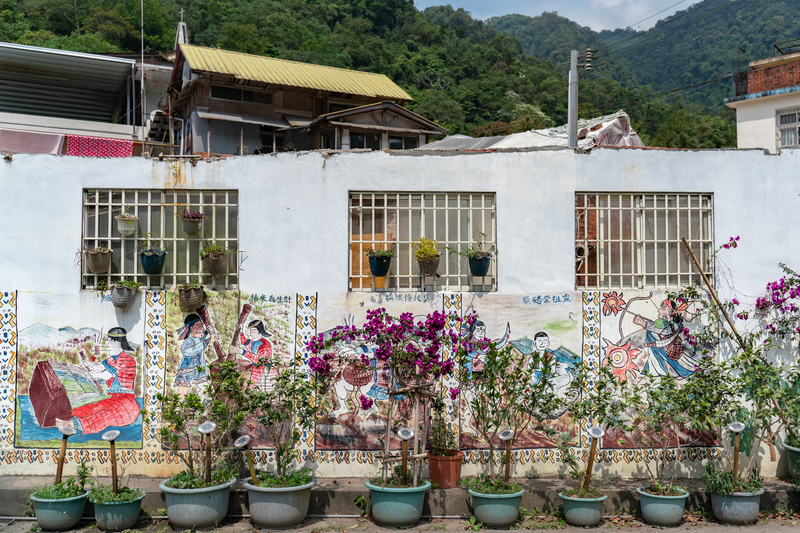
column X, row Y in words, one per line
column 591, row 348
column 305, row 329
column 8, row 364
column 155, row 342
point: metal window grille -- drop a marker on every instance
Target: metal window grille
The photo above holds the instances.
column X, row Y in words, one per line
column 157, row 210
column 393, row 220
column 635, row 240
column 788, row 126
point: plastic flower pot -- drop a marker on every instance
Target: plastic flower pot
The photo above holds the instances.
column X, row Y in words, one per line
column 278, row 507
column 55, row 515
column 216, row 264
column 582, row 511
column 127, row 226
column 197, row 508
column 430, row 268
column 793, row 460
column 379, row 266
column 118, row 516
column 153, row 261
column 496, row 510
column 737, row 508
column 445, row 470
column 122, row 297
column 191, row 226
column 98, row 262
column 191, row 299
column 479, row 266
column 397, row 507
column 662, row 510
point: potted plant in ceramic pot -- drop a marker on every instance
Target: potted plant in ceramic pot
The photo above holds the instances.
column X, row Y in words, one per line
column 427, row 255
column 60, row 506
column 115, row 508
column 126, row 222
column 198, row 496
column 123, row 293
column 215, row 258
column 190, row 295
column 98, row 259
column 479, row 259
column 379, row 261
column 444, row 457
column 600, row 399
column 192, row 221
column 512, row 393
column 152, row 255
column 279, row 499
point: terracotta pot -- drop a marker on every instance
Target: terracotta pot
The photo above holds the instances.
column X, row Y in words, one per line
column 216, row 264
column 191, row 299
column 445, row 470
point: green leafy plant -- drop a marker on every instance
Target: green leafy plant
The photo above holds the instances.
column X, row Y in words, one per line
column 102, row 285
column 364, row 507
column 443, row 440
column 473, row 523
column 213, row 248
column 97, row 249
column 74, row 486
column 425, row 250
column 722, row 482
column 125, row 213
column 188, row 285
column 484, row 484
column 148, row 243
column 127, row 284
column 190, row 215
column 475, row 251
column 379, row 253
column 105, row 494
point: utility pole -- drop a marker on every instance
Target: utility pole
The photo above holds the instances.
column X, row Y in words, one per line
column 572, row 109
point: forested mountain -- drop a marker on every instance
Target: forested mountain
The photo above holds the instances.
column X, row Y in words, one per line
column 462, row 72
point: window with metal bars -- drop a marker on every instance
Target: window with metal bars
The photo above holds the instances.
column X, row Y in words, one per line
column 636, row 240
column 395, row 220
column 788, row 126
column 158, row 222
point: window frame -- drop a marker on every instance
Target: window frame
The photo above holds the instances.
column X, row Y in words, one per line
column 241, row 90
column 780, row 128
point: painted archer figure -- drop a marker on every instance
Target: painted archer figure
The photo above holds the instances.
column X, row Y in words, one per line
column 663, row 352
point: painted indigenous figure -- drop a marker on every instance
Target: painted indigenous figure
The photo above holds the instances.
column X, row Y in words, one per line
column 118, row 372
column 561, row 366
column 663, row 352
column 195, row 339
column 258, row 350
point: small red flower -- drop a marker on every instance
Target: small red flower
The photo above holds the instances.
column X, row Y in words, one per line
column 612, row 303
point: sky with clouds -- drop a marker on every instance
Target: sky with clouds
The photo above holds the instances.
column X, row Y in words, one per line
column 597, row 14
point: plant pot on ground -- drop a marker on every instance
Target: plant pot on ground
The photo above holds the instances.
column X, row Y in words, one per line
column 123, row 293
column 190, row 295
column 379, row 261
column 152, row 255
column 126, row 222
column 192, row 221
column 733, row 503
column 478, row 259
column 116, row 512
column 98, row 260
column 60, row 506
column 215, row 258
column 444, row 458
column 427, row 254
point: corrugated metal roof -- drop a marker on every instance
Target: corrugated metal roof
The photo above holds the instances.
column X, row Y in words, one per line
column 88, row 128
column 280, row 72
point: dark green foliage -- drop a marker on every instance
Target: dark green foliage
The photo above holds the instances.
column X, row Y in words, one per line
column 483, row 484
column 105, row 494
column 293, row 479
column 74, row 486
column 721, row 482
column 442, row 439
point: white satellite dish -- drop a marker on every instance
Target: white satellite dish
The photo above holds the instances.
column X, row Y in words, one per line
column 505, row 434
column 111, row 435
column 736, row 427
column 241, row 442
column 67, row 431
column 206, row 427
column 597, row 432
column 405, row 433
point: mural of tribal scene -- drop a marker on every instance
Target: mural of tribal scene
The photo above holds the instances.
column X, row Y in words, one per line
column 348, row 426
column 532, row 324
column 646, row 332
column 254, row 330
column 78, row 378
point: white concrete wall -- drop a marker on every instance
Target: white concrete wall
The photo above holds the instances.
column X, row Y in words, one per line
column 755, row 120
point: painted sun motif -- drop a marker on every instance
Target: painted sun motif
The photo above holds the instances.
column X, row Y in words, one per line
column 621, row 358
column 612, row 303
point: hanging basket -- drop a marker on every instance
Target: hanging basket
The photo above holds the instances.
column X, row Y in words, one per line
column 127, row 226
column 429, row 268
column 153, row 261
column 216, row 264
column 191, row 299
column 191, row 226
column 98, row 261
column 479, row 266
column 379, row 266
column 122, row 297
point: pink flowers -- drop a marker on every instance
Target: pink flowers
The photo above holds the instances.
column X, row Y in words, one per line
column 731, row 243
column 454, row 394
column 366, row 403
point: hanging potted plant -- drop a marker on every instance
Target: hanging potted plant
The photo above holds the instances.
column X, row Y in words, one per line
column 98, row 259
column 479, row 259
column 126, row 222
column 152, row 255
column 215, row 258
column 190, row 295
column 279, row 499
column 512, row 393
column 414, row 355
column 379, row 261
column 123, row 293
column 198, row 496
column 428, row 256
column 444, row 457
column 60, row 506
column 192, row 221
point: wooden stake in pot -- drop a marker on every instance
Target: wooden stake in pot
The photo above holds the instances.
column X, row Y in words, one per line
column 406, row 434
column 736, row 428
column 506, row 435
column 206, row 428
column 65, row 432
column 242, row 442
column 112, row 436
column 596, row 433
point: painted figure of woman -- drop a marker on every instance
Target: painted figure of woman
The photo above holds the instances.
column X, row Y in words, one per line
column 258, row 350
column 664, row 348
column 195, row 339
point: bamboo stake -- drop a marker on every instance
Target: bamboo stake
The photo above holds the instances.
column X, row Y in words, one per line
column 508, row 461
column 65, row 432
column 416, row 431
column 111, row 437
column 388, row 435
column 589, row 463
column 736, row 462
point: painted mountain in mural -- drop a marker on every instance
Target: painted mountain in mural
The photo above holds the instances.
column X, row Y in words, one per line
column 41, row 335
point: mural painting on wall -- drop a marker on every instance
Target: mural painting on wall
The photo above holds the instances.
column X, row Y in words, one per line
column 255, row 329
column 536, row 323
column 84, row 378
column 646, row 333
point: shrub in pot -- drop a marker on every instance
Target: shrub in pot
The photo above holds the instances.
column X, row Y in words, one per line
column 126, row 222
column 60, row 506
column 379, row 261
column 123, row 293
column 478, row 259
column 444, row 457
column 427, row 254
column 190, row 295
column 192, row 221
column 215, row 258
column 152, row 255
column 116, row 512
column 98, row 259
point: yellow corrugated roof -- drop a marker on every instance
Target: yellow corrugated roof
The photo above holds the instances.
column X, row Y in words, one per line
column 291, row 73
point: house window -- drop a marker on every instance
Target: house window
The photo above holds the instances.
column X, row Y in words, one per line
column 394, row 220
column 265, row 136
column 402, row 143
column 335, row 107
column 635, row 240
column 235, row 94
column 357, row 140
column 788, row 121
column 157, row 211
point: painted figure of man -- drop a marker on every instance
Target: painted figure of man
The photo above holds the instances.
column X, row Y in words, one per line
column 258, row 350
column 195, row 339
column 561, row 365
column 118, row 372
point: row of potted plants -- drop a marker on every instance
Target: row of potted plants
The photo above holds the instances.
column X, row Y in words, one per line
column 127, row 222
column 426, row 253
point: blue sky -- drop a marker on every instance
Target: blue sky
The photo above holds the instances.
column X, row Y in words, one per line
column 597, row 14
